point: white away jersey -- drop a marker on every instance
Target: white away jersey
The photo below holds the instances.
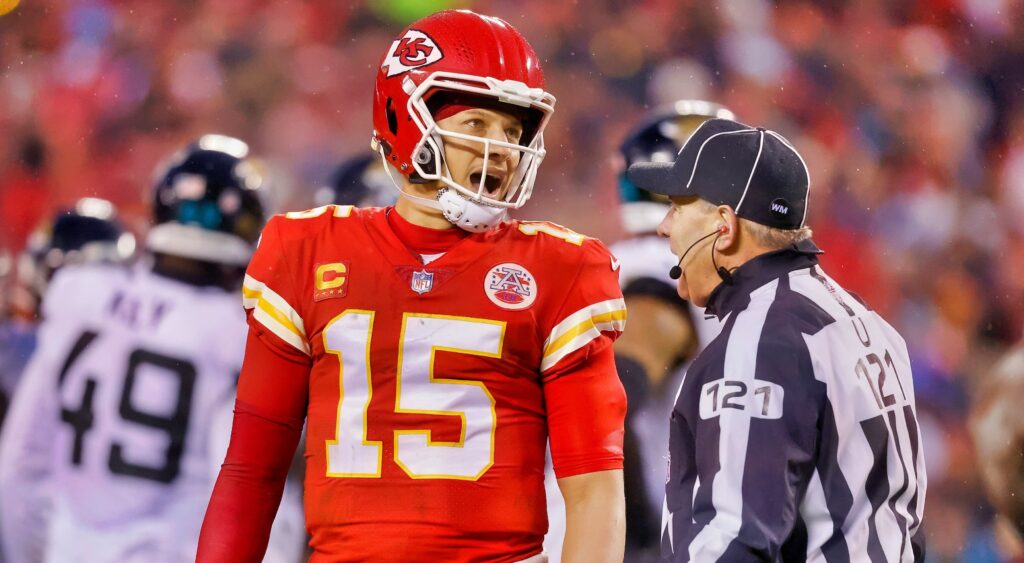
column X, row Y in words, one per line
column 119, row 420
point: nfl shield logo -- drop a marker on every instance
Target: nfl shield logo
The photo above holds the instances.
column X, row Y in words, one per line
column 422, row 281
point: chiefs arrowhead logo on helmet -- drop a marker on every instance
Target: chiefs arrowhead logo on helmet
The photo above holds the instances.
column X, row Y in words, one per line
column 415, row 49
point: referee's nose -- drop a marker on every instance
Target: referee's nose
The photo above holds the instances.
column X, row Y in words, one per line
column 665, row 226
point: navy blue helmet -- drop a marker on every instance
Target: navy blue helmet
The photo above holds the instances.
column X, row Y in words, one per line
column 360, row 181
column 658, row 138
column 208, row 203
column 87, row 232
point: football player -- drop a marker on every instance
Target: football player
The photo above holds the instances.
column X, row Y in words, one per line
column 432, row 347
column 119, row 426
column 664, row 332
column 88, row 232
column 360, row 181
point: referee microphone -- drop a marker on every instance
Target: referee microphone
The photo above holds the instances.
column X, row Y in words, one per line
column 677, row 271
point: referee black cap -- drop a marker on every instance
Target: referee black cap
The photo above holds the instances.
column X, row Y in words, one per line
column 755, row 171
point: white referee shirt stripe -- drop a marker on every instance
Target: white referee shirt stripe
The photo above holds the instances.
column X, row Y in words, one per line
column 273, row 312
column 814, row 511
column 580, row 328
column 734, row 432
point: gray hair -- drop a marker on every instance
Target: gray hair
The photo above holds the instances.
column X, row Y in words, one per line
column 766, row 236
column 773, row 238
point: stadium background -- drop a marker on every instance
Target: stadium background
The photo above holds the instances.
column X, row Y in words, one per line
column 910, row 116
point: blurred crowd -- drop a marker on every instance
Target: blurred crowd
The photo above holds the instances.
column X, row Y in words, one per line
column 910, row 115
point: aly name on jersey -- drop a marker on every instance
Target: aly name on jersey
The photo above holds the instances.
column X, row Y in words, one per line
column 433, row 372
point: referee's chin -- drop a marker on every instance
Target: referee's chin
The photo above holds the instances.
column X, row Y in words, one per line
column 682, row 289
column 696, row 298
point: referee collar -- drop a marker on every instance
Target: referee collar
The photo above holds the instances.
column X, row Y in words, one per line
column 726, row 297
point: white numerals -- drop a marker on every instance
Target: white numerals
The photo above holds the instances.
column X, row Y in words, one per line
column 418, row 391
column 336, row 210
column 758, row 399
column 350, row 454
column 532, row 228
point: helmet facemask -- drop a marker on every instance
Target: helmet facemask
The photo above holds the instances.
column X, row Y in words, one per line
column 428, row 155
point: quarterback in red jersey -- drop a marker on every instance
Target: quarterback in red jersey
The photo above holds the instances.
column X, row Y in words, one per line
column 433, row 347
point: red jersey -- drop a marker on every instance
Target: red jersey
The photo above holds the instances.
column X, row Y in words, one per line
column 432, row 387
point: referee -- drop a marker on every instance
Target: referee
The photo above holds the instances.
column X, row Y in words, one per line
column 794, row 435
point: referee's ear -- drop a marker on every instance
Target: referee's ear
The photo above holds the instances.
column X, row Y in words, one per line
column 728, row 225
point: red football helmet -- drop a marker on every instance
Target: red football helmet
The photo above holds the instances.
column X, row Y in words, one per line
column 472, row 59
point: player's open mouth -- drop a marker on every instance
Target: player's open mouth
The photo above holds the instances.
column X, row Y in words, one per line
column 492, row 183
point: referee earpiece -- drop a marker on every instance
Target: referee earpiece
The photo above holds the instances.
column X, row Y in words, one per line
column 721, row 271
column 722, row 229
column 677, row 271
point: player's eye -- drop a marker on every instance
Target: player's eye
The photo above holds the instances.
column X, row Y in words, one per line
column 474, row 123
column 514, row 134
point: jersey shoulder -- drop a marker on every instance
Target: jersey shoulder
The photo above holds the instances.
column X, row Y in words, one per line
column 80, row 289
column 577, row 271
column 219, row 307
column 580, row 307
column 294, row 240
column 552, row 241
column 302, row 227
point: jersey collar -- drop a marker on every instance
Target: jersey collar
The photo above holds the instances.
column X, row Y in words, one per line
column 728, row 297
column 423, row 240
column 468, row 250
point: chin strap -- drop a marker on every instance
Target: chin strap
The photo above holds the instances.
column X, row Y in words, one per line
column 463, row 213
column 433, row 204
column 424, row 201
column 468, row 215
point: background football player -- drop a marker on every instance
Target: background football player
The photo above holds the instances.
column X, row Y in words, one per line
column 87, row 232
column 360, row 181
column 121, row 421
column 664, row 332
column 429, row 362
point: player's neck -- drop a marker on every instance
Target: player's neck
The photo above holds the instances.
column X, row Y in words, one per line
column 424, row 240
column 421, row 215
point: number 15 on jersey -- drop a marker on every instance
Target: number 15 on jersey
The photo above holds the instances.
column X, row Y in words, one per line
column 418, row 390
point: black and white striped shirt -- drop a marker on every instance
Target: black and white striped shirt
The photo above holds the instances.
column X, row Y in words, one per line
column 794, row 435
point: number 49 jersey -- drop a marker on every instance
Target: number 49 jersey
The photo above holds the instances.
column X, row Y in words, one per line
column 113, row 417
column 427, row 415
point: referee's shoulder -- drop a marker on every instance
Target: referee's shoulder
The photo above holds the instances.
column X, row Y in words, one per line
column 783, row 344
column 793, row 313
